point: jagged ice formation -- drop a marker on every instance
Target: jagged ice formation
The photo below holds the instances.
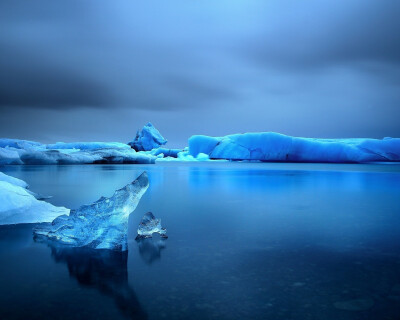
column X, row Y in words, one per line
column 147, row 139
column 100, row 225
column 149, row 225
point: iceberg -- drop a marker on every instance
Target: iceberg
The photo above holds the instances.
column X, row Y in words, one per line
column 13, row 151
column 18, row 144
column 149, row 225
column 147, row 139
column 100, row 225
column 270, row 146
column 9, row 156
column 19, row 205
column 173, row 153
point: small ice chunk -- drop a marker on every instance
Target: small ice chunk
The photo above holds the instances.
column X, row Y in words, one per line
column 150, row 225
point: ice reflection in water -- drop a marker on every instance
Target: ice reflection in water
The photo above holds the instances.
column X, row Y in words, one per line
column 103, row 270
column 150, row 249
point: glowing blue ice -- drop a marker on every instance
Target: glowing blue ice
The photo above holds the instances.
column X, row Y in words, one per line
column 101, row 225
column 147, row 139
column 270, row 146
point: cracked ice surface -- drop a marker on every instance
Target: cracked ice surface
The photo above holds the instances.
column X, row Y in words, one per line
column 150, row 225
column 100, row 225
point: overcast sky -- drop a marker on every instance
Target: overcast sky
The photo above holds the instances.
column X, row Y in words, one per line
column 99, row 70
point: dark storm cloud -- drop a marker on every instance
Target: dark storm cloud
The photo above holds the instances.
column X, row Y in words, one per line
column 78, row 54
column 308, row 34
column 311, row 68
column 40, row 85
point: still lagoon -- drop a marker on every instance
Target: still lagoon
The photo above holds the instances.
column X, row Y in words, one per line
column 246, row 241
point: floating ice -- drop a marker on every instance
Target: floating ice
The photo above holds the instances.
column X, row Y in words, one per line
column 88, row 145
column 19, row 205
column 147, row 139
column 14, row 181
column 185, row 156
column 14, row 151
column 22, row 184
column 173, row 153
column 270, row 146
column 9, row 156
column 100, row 225
column 150, row 225
column 18, row 144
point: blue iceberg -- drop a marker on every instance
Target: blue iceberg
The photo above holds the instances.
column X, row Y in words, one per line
column 147, row 139
column 270, row 146
column 18, row 144
column 150, row 225
column 100, row 225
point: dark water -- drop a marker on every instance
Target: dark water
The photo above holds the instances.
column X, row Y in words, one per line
column 246, row 241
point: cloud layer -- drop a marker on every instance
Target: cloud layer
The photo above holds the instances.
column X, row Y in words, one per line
column 307, row 68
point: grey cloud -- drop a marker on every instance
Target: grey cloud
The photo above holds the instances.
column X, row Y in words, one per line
column 310, row 68
column 318, row 34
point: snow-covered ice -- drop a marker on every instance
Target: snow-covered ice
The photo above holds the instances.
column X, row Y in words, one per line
column 147, row 139
column 149, row 225
column 19, row 205
column 270, row 146
column 100, row 225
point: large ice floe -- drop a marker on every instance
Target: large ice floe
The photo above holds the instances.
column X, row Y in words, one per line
column 270, row 146
column 100, row 225
column 14, row 151
column 19, row 205
column 147, row 139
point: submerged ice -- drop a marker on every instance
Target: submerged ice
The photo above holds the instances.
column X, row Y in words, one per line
column 149, row 225
column 100, row 225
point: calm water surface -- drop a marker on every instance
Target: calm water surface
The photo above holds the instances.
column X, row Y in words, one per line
column 246, row 241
